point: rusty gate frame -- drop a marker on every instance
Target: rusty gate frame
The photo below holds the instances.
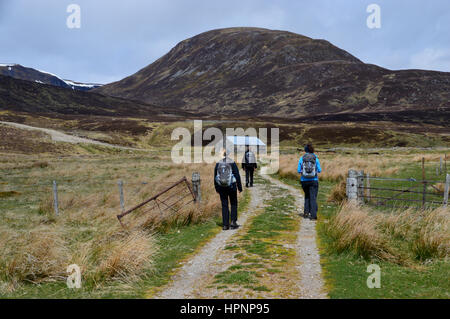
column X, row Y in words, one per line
column 157, row 202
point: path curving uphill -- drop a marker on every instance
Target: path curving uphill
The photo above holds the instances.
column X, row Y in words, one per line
column 58, row 136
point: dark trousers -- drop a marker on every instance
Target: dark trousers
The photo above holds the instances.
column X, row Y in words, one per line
column 249, row 176
column 311, row 188
column 230, row 194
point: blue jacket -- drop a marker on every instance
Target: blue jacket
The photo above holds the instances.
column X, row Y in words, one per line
column 300, row 169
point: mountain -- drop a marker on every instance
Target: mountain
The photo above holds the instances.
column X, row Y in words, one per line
column 253, row 72
column 20, row 72
column 36, row 98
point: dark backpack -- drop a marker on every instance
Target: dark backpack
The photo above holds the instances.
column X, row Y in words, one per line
column 309, row 166
column 250, row 158
column 224, row 177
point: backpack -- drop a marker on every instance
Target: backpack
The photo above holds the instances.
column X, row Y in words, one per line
column 224, row 175
column 309, row 166
column 250, row 158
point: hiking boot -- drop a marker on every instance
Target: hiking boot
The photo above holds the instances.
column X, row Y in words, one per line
column 246, row 185
column 226, row 227
column 234, row 225
column 312, row 218
column 306, row 215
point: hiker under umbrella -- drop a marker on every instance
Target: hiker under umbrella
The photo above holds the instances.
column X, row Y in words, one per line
column 249, row 165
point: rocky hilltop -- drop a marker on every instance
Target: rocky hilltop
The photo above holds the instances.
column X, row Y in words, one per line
column 253, row 72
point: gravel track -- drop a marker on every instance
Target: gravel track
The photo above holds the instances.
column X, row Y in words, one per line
column 188, row 281
column 311, row 282
column 191, row 279
column 58, row 136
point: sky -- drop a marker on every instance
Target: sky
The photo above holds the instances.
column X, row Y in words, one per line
column 118, row 38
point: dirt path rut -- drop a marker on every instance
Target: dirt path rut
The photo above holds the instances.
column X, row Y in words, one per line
column 291, row 271
column 189, row 279
column 311, row 282
column 62, row 137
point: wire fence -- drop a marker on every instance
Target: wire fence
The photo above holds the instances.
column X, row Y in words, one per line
column 392, row 192
column 26, row 193
column 400, row 192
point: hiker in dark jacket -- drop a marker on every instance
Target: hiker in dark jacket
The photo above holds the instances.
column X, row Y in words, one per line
column 227, row 182
column 249, row 165
column 309, row 167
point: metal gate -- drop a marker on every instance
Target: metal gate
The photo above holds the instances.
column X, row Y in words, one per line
column 168, row 201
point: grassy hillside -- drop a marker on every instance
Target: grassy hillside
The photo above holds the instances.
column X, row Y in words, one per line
column 35, row 98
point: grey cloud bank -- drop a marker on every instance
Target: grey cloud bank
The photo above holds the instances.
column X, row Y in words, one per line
column 117, row 38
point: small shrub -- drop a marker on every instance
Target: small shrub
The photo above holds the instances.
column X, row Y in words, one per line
column 40, row 164
column 9, row 194
column 338, row 193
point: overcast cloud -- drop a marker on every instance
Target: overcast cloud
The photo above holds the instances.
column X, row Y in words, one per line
column 117, row 38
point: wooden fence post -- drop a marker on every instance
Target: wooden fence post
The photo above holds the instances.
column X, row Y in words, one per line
column 122, row 201
column 196, row 187
column 446, row 188
column 55, row 198
column 368, row 187
column 440, row 165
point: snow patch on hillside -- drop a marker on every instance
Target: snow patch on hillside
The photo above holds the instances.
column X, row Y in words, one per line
column 87, row 85
column 70, row 83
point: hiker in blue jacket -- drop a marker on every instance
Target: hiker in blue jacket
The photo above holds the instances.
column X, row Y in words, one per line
column 309, row 167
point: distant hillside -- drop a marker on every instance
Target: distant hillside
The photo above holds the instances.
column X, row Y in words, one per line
column 30, row 97
column 20, row 72
column 252, row 72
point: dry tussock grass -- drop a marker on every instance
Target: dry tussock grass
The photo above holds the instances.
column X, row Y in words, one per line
column 379, row 235
column 107, row 252
column 335, row 168
column 402, row 224
column 33, row 256
column 355, row 229
column 429, row 157
column 126, row 257
column 434, row 235
column 87, row 232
